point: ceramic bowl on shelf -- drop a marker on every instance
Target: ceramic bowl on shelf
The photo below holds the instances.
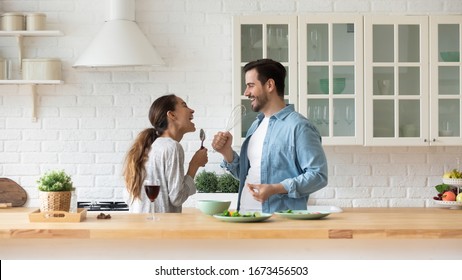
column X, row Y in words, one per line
column 339, row 85
column 211, row 207
column 450, row 56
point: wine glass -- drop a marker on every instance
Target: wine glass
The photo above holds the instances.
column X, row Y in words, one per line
column 310, row 113
column 325, row 114
column 335, row 115
column 314, row 43
column 152, row 191
column 317, row 115
column 252, row 41
column 349, row 114
column 280, row 43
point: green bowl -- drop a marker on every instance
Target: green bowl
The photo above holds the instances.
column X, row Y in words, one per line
column 211, row 207
column 339, row 85
column 450, row 56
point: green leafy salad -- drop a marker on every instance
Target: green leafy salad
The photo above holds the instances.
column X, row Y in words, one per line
column 227, row 213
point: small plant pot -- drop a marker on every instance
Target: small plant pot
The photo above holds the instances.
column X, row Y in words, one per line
column 55, row 201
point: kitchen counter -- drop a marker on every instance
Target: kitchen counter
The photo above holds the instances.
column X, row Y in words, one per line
column 370, row 232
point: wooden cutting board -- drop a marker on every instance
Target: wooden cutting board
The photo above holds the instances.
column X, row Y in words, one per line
column 11, row 192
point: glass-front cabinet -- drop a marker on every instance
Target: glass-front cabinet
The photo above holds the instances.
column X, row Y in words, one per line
column 445, row 80
column 331, row 76
column 373, row 80
column 396, row 83
column 255, row 38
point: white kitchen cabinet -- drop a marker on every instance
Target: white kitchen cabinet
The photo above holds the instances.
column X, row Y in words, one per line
column 31, row 84
column 272, row 37
column 373, row 80
column 331, row 76
column 445, row 80
column 334, row 54
column 396, row 80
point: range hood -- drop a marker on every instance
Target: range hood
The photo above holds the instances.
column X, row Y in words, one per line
column 120, row 42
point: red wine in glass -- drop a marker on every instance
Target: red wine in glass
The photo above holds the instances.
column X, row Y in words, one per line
column 152, row 191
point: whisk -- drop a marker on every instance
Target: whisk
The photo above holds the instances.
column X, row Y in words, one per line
column 235, row 116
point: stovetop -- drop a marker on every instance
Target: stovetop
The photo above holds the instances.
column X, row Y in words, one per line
column 103, row 205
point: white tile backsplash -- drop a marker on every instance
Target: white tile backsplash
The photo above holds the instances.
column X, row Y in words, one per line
column 86, row 125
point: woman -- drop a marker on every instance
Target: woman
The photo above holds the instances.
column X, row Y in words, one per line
column 157, row 154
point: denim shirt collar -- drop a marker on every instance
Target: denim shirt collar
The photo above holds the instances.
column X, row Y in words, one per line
column 279, row 115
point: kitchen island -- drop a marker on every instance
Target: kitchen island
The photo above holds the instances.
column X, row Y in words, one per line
column 356, row 233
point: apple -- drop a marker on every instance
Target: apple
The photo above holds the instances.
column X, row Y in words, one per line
column 449, row 196
column 459, row 197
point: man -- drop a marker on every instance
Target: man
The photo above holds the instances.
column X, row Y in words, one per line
column 281, row 160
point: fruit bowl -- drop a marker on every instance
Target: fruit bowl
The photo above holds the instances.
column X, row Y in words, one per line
column 451, row 204
column 450, row 56
column 339, row 85
column 211, row 207
column 453, row 181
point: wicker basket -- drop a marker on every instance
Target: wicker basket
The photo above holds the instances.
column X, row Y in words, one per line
column 55, row 201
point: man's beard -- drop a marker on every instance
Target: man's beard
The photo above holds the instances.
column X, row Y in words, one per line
column 259, row 102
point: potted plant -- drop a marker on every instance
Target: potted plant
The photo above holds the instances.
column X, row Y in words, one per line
column 206, row 182
column 227, row 183
column 211, row 186
column 55, row 191
column 210, row 182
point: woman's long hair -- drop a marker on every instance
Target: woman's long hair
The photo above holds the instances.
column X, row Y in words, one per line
column 135, row 160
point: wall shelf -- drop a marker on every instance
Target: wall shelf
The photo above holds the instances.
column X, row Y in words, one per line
column 31, row 88
column 20, row 34
column 34, row 33
column 30, row 84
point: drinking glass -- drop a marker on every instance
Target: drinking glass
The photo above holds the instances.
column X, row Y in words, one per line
column 349, row 114
column 314, row 43
column 325, row 114
column 152, row 189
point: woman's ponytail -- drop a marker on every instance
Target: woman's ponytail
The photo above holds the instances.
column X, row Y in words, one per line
column 134, row 169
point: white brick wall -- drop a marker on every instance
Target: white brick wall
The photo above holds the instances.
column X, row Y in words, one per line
column 86, row 125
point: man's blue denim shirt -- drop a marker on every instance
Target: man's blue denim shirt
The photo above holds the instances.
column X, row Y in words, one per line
column 292, row 155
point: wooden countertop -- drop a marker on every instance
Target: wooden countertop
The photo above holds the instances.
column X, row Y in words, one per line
column 353, row 223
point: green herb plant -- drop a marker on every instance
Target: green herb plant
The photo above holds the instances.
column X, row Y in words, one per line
column 227, row 183
column 206, row 182
column 210, row 182
column 55, row 181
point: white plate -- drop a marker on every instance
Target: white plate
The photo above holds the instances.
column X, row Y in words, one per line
column 321, row 208
column 262, row 217
column 313, row 212
column 303, row 215
column 450, row 204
